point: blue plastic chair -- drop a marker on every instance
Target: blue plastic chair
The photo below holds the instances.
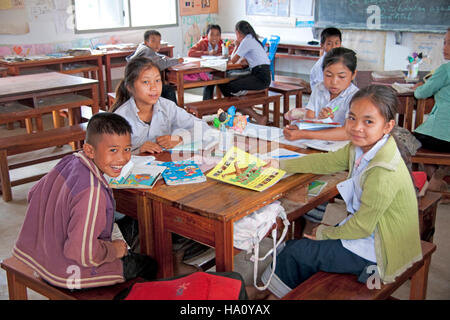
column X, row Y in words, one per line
column 274, row 40
column 264, row 43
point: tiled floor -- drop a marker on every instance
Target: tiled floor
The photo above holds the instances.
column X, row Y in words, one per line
column 12, row 215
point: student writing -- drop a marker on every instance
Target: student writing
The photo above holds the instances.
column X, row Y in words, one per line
column 157, row 123
column 248, row 47
column 70, row 215
column 330, row 98
column 381, row 228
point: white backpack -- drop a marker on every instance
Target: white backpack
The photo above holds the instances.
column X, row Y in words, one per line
column 250, row 230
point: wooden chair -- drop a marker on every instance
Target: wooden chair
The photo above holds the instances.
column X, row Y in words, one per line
column 20, row 277
column 335, row 286
column 287, row 90
column 30, row 142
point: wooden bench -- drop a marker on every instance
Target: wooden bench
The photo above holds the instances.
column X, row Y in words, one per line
column 427, row 214
column 335, row 286
column 20, row 277
column 287, row 90
column 12, row 110
column 207, row 107
column 30, row 142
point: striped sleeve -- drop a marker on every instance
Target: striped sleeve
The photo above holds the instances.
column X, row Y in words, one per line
column 87, row 222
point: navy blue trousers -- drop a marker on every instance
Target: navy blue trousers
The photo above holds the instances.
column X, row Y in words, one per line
column 300, row 259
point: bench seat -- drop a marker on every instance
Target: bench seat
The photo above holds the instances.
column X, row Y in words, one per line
column 30, row 142
column 335, row 286
column 20, row 277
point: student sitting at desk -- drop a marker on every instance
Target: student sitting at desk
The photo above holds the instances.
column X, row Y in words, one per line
column 380, row 228
column 250, row 48
column 69, row 221
column 149, row 49
column 330, row 98
column 209, row 45
column 434, row 133
column 157, row 123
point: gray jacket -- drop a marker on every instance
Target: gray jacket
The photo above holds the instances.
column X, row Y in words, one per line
column 163, row 62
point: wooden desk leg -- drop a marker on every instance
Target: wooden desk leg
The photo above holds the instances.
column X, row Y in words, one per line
column 162, row 242
column 419, row 282
column 145, row 220
column 95, row 104
column 16, row 289
column 56, row 119
column 180, row 89
column 4, row 176
column 101, row 83
column 224, row 245
column 286, row 107
column 409, row 112
column 276, row 112
column 29, row 125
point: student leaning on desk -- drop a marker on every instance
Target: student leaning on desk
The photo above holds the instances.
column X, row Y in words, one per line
column 209, row 45
column 379, row 225
column 157, row 123
column 330, row 98
column 434, row 133
column 149, row 49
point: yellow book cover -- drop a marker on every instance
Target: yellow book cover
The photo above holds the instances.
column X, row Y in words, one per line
column 245, row 170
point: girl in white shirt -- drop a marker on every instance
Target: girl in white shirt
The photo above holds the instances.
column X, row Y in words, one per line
column 157, row 123
column 334, row 93
column 248, row 47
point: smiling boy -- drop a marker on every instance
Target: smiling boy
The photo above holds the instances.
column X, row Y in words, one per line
column 66, row 234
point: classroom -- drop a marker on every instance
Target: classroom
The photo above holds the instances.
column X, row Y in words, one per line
column 156, row 140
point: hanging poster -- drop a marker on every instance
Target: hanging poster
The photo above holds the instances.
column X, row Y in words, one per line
column 279, row 8
column 194, row 7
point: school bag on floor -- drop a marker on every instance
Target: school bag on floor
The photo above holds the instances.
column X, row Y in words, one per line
column 250, row 230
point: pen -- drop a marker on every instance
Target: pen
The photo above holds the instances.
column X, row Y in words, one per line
column 286, row 156
column 334, row 110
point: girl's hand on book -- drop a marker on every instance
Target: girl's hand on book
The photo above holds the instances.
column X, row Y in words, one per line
column 121, row 248
column 150, row 147
column 169, row 141
column 291, row 132
column 325, row 113
column 418, row 84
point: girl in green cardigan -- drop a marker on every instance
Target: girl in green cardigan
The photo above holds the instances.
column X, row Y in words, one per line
column 380, row 235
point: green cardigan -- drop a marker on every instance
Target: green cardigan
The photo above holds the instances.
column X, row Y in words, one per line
column 388, row 205
column 437, row 123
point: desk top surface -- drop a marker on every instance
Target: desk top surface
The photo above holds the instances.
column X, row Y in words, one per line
column 194, row 64
column 32, row 83
column 222, row 201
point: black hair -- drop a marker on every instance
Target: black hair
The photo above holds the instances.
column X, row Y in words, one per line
column 329, row 32
column 149, row 33
column 246, row 28
column 106, row 123
column 213, row 26
column 132, row 72
column 341, row 54
column 385, row 99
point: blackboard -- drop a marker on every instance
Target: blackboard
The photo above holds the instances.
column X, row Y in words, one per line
column 396, row 15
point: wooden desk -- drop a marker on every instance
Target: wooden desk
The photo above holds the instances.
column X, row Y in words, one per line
column 204, row 212
column 90, row 65
column 116, row 59
column 407, row 100
column 48, row 93
column 175, row 75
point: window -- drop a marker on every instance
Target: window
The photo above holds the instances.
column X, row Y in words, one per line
column 96, row 15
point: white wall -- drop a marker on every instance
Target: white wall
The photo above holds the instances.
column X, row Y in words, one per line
column 231, row 11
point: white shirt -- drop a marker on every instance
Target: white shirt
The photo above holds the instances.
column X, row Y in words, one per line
column 320, row 98
column 252, row 51
column 167, row 119
column 316, row 74
column 351, row 192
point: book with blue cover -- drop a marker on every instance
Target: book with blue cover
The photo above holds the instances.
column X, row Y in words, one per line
column 182, row 172
column 140, row 176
